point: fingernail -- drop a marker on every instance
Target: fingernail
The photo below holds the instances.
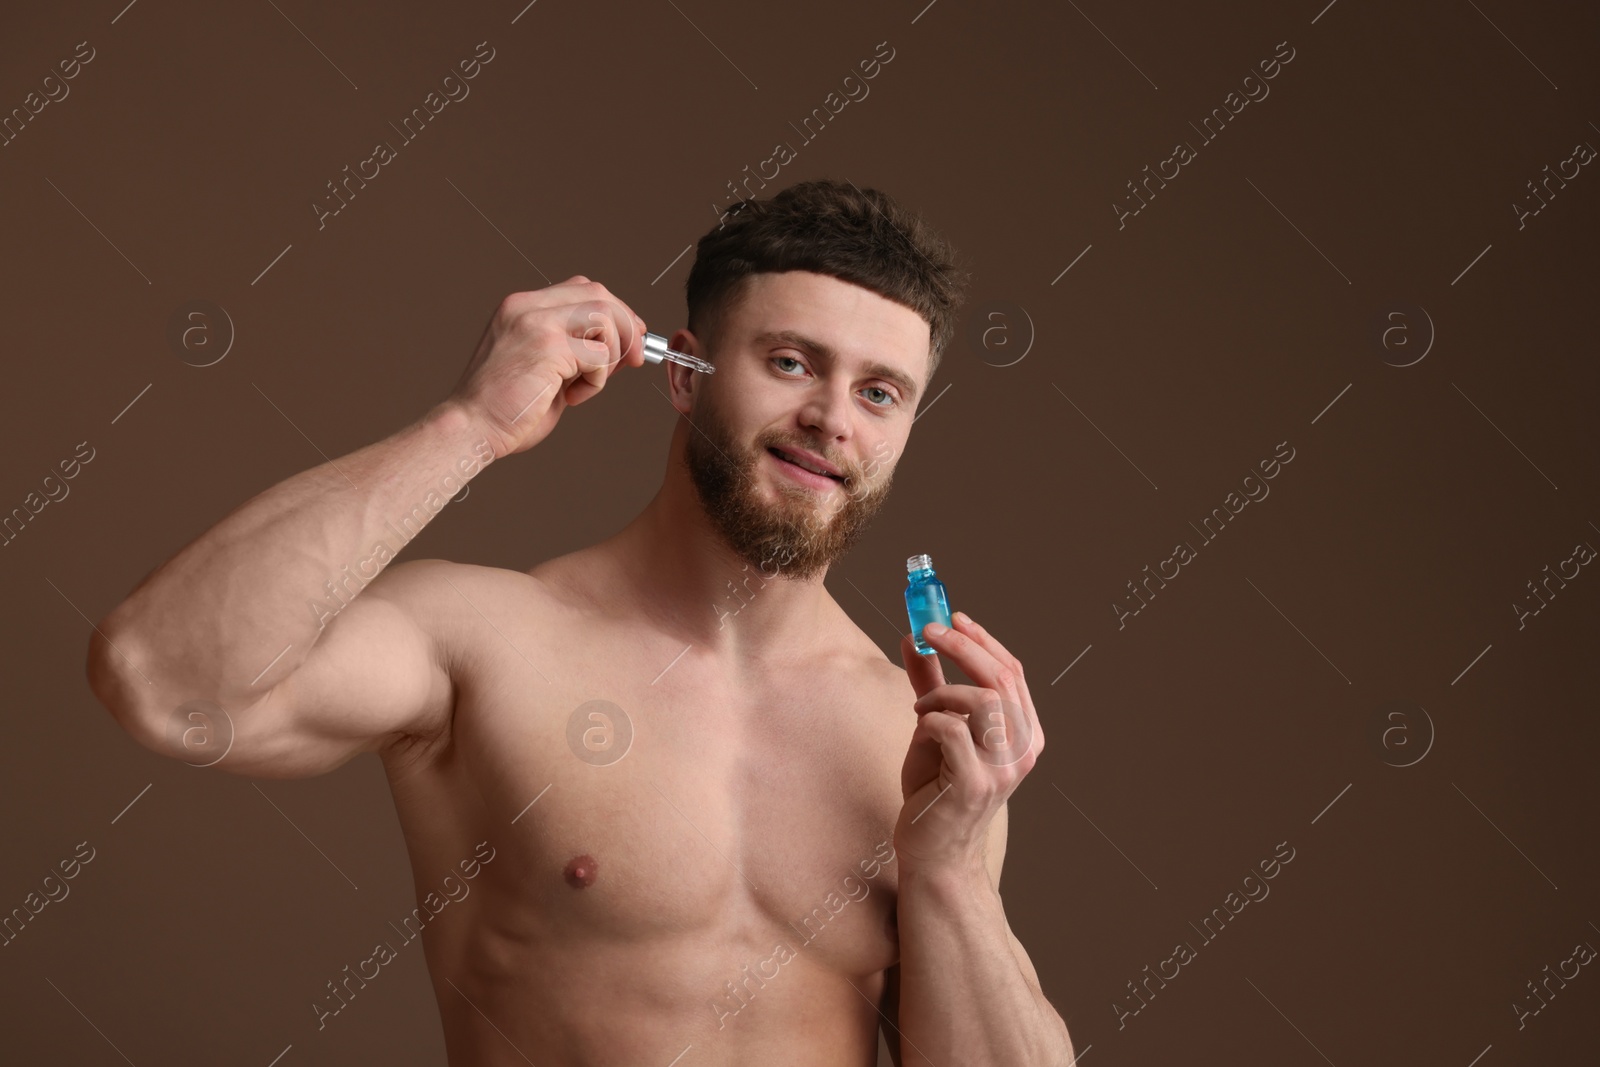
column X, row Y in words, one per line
column 962, row 616
column 935, row 628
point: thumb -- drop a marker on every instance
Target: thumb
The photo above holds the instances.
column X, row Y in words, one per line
column 924, row 671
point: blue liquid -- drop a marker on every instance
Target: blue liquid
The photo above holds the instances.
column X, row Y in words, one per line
column 925, row 602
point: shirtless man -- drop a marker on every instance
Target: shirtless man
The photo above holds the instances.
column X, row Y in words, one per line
column 720, row 827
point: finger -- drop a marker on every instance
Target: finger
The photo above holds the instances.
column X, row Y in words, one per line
column 595, row 333
column 979, row 663
column 623, row 330
column 1002, row 733
column 589, row 382
column 1002, row 656
column 609, row 320
column 630, row 334
column 924, row 672
column 965, row 624
column 953, row 697
column 633, row 350
column 940, row 742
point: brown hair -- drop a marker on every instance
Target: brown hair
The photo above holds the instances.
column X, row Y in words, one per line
column 862, row 236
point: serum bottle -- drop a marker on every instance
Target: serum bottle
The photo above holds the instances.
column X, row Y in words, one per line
column 925, row 600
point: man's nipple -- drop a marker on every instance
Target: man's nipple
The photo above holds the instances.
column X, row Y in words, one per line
column 580, row 871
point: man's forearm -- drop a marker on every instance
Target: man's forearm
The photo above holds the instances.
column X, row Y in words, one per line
column 263, row 570
column 964, row 1001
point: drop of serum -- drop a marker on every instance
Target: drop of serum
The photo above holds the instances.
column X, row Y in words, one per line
column 580, row 871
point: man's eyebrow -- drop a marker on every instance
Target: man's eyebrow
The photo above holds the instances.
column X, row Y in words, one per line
column 908, row 388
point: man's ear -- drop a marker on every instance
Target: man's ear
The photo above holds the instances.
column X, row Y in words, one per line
column 680, row 379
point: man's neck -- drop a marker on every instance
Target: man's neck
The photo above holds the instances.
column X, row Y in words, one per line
column 673, row 560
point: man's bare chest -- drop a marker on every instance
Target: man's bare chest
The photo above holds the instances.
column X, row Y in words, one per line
column 635, row 802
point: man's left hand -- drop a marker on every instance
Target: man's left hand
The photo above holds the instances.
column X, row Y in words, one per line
column 973, row 744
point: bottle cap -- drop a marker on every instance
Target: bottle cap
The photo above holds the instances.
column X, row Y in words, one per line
column 919, row 563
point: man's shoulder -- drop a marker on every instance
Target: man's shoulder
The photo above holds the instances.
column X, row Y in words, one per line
column 441, row 594
column 859, row 646
column 434, row 578
column 888, row 677
column 883, row 665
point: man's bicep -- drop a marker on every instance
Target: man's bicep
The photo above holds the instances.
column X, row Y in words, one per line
column 375, row 673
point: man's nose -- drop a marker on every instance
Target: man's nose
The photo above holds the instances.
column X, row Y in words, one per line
column 827, row 409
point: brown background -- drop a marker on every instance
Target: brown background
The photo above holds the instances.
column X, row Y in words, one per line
column 1237, row 311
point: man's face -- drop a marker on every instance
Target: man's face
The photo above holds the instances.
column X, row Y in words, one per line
column 809, row 364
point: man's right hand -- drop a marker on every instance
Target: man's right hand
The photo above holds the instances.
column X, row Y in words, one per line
column 542, row 351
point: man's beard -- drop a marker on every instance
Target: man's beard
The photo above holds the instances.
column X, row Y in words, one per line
column 801, row 534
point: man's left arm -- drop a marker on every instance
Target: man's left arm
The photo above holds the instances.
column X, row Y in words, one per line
column 968, row 992
column 968, row 995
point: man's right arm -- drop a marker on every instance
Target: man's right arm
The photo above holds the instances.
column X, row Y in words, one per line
column 295, row 570
column 282, row 614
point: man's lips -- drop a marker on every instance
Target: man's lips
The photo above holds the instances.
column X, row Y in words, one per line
column 807, row 461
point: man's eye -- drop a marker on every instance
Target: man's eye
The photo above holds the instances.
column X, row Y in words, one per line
column 888, row 397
